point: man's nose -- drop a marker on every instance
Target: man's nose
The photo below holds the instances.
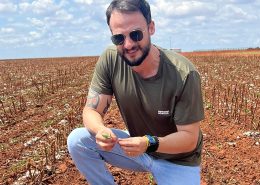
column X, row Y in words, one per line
column 129, row 43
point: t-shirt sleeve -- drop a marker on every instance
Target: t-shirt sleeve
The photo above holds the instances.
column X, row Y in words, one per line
column 189, row 107
column 101, row 80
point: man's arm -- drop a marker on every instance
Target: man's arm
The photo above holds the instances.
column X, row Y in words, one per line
column 184, row 140
column 95, row 109
column 93, row 113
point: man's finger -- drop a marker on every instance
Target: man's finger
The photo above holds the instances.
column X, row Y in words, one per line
column 125, row 142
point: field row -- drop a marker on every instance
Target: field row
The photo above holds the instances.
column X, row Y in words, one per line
column 41, row 101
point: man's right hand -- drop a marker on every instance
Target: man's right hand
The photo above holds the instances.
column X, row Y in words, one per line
column 106, row 139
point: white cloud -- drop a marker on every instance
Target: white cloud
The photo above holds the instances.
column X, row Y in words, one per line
column 63, row 3
column 257, row 42
column 7, row 7
column 88, row 2
column 230, row 11
column 200, row 18
column 7, row 30
column 233, row 12
column 162, row 22
column 182, row 8
column 82, row 20
column 100, row 3
column 24, row 6
column 57, row 35
column 9, row 41
column 39, row 6
column 50, row 22
column 34, row 34
column 63, row 15
column 36, row 22
column 242, row 1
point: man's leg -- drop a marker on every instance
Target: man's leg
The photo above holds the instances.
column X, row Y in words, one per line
column 167, row 173
column 90, row 159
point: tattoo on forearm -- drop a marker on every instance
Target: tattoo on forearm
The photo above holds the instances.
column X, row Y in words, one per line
column 93, row 99
column 106, row 108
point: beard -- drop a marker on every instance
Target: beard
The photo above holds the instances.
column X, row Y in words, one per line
column 138, row 61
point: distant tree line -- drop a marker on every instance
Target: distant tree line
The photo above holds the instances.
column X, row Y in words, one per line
column 228, row 49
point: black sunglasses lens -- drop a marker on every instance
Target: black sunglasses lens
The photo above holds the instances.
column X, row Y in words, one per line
column 136, row 35
column 118, row 39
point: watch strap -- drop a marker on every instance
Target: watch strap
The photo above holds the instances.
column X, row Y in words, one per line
column 153, row 143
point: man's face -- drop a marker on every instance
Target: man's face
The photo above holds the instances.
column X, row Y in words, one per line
column 133, row 52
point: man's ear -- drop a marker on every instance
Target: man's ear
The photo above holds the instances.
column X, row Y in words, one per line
column 151, row 27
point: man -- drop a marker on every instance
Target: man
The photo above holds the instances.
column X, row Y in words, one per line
column 159, row 96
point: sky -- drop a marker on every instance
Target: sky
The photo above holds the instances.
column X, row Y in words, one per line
column 62, row 28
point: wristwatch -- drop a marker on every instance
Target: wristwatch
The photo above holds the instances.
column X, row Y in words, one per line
column 153, row 143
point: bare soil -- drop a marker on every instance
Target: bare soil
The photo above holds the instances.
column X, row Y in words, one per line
column 230, row 154
column 229, row 157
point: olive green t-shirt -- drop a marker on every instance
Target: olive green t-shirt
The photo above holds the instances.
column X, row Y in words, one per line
column 155, row 105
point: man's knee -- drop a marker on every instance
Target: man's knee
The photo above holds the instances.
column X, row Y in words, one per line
column 75, row 137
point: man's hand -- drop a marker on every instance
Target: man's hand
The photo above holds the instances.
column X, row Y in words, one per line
column 133, row 146
column 106, row 139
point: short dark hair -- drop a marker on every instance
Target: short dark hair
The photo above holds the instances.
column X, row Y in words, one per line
column 130, row 6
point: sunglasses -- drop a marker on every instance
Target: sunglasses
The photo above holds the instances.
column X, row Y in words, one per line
column 135, row 35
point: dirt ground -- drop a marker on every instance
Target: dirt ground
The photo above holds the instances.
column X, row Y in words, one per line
column 229, row 157
column 230, row 154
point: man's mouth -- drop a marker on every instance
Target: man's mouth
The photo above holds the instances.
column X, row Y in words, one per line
column 132, row 51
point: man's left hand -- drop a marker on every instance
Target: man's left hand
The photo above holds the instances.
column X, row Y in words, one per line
column 133, row 146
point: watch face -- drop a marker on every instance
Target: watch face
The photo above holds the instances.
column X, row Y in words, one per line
column 152, row 141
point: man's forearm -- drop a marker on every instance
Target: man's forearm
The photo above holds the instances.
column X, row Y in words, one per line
column 92, row 120
column 181, row 141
